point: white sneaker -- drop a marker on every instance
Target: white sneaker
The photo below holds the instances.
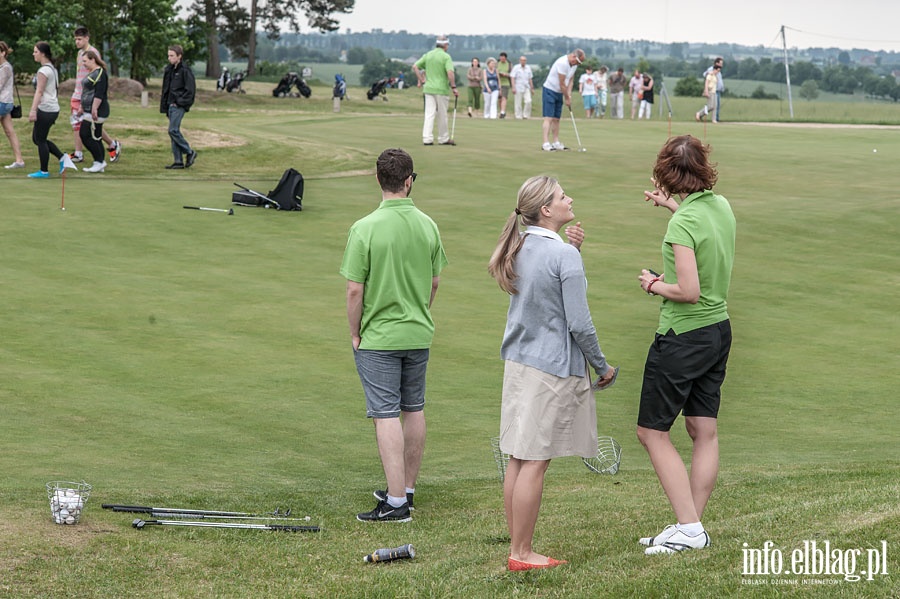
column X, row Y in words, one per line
column 16, row 165
column 679, row 542
column 547, row 147
column 659, row 539
column 558, row 146
column 97, row 167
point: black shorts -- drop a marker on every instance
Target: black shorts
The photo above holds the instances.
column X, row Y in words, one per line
column 684, row 373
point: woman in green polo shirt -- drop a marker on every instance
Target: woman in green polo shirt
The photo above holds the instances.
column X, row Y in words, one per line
column 685, row 366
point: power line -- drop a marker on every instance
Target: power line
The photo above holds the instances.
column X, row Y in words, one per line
column 846, row 39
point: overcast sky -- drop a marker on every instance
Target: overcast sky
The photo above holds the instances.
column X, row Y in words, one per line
column 872, row 24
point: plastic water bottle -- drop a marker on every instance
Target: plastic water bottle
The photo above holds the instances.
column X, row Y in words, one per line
column 386, row 555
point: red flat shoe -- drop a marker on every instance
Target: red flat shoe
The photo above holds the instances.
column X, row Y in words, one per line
column 514, row 565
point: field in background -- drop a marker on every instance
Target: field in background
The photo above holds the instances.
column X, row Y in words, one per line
column 180, row 358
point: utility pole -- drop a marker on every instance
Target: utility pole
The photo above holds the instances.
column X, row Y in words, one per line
column 787, row 72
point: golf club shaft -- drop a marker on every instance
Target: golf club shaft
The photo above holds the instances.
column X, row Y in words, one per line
column 220, row 517
column 453, row 129
column 578, row 137
column 138, row 523
column 204, row 208
column 140, row 509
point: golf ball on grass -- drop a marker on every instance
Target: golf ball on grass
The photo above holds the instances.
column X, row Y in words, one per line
column 874, row 151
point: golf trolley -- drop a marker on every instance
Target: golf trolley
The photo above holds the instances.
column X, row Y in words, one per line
column 234, row 85
column 223, row 80
column 379, row 88
column 340, row 87
column 292, row 79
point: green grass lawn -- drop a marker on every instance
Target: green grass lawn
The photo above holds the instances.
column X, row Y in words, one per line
column 171, row 357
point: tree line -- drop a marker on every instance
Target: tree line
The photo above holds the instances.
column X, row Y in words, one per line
column 133, row 35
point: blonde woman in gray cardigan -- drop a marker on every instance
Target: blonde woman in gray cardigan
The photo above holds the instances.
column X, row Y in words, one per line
column 549, row 346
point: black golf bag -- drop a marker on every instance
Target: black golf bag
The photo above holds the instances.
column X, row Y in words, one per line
column 379, row 87
column 234, row 85
column 302, row 87
column 287, row 195
column 283, row 89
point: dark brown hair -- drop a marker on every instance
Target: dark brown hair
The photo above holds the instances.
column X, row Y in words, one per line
column 44, row 48
column 683, row 166
column 96, row 58
column 393, row 167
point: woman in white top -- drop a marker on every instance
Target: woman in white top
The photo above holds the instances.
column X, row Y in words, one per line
column 490, row 87
column 44, row 109
column 6, row 104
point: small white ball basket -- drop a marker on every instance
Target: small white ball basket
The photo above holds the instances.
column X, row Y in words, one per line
column 67, row 500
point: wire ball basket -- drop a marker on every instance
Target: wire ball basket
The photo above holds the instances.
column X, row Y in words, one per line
column 67, row 500
column 502, row 459
column 609, row 454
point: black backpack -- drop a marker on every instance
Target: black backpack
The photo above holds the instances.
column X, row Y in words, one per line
column 287, row 195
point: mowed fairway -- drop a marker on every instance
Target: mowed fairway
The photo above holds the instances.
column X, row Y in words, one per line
column 179, row 358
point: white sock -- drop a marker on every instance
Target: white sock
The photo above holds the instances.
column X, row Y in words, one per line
column 395, row 501
column 77, row 154
column 692, row 530
column 410, row 491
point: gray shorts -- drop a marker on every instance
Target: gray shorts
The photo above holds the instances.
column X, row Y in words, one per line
column 393, row 380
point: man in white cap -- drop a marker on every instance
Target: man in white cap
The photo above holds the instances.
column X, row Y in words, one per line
column 437, row 79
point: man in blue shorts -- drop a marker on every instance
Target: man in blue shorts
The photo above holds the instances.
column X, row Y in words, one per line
column 556, row 91
column 392, row 263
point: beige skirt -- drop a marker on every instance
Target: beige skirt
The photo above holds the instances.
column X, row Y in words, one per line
column 543, row 416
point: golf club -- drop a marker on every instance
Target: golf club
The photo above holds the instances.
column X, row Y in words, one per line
column 141, row 509
column 217, row 517
column 230, row 211
column 581, row 148
column 139, row 523
column 453, row 128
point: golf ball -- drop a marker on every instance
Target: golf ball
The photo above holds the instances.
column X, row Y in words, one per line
column 70, row 520
column 874, row 151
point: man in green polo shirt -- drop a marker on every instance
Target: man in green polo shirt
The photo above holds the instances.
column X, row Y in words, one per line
column 392, row 263
column 436, row 76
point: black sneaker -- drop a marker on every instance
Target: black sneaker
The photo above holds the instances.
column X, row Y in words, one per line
column 190, row 159
column 384, row 512
column 382, row 496
column 175, row 165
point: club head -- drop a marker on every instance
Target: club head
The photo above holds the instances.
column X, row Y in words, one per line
column 230, row 211
column 138, row 523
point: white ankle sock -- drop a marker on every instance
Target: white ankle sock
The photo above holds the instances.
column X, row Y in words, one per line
column 410, row 491
column 692, row 530
column 395, row 501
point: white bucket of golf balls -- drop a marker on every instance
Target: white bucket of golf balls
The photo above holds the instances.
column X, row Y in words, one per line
column 67, row 500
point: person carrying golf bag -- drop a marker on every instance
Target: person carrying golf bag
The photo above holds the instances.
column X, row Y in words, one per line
column 392, row 263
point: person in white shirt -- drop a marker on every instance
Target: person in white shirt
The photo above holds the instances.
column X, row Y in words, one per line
column 601, row 77
column 557, row 90
column 636, row 88
column 522, row 88
column 587, row 87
